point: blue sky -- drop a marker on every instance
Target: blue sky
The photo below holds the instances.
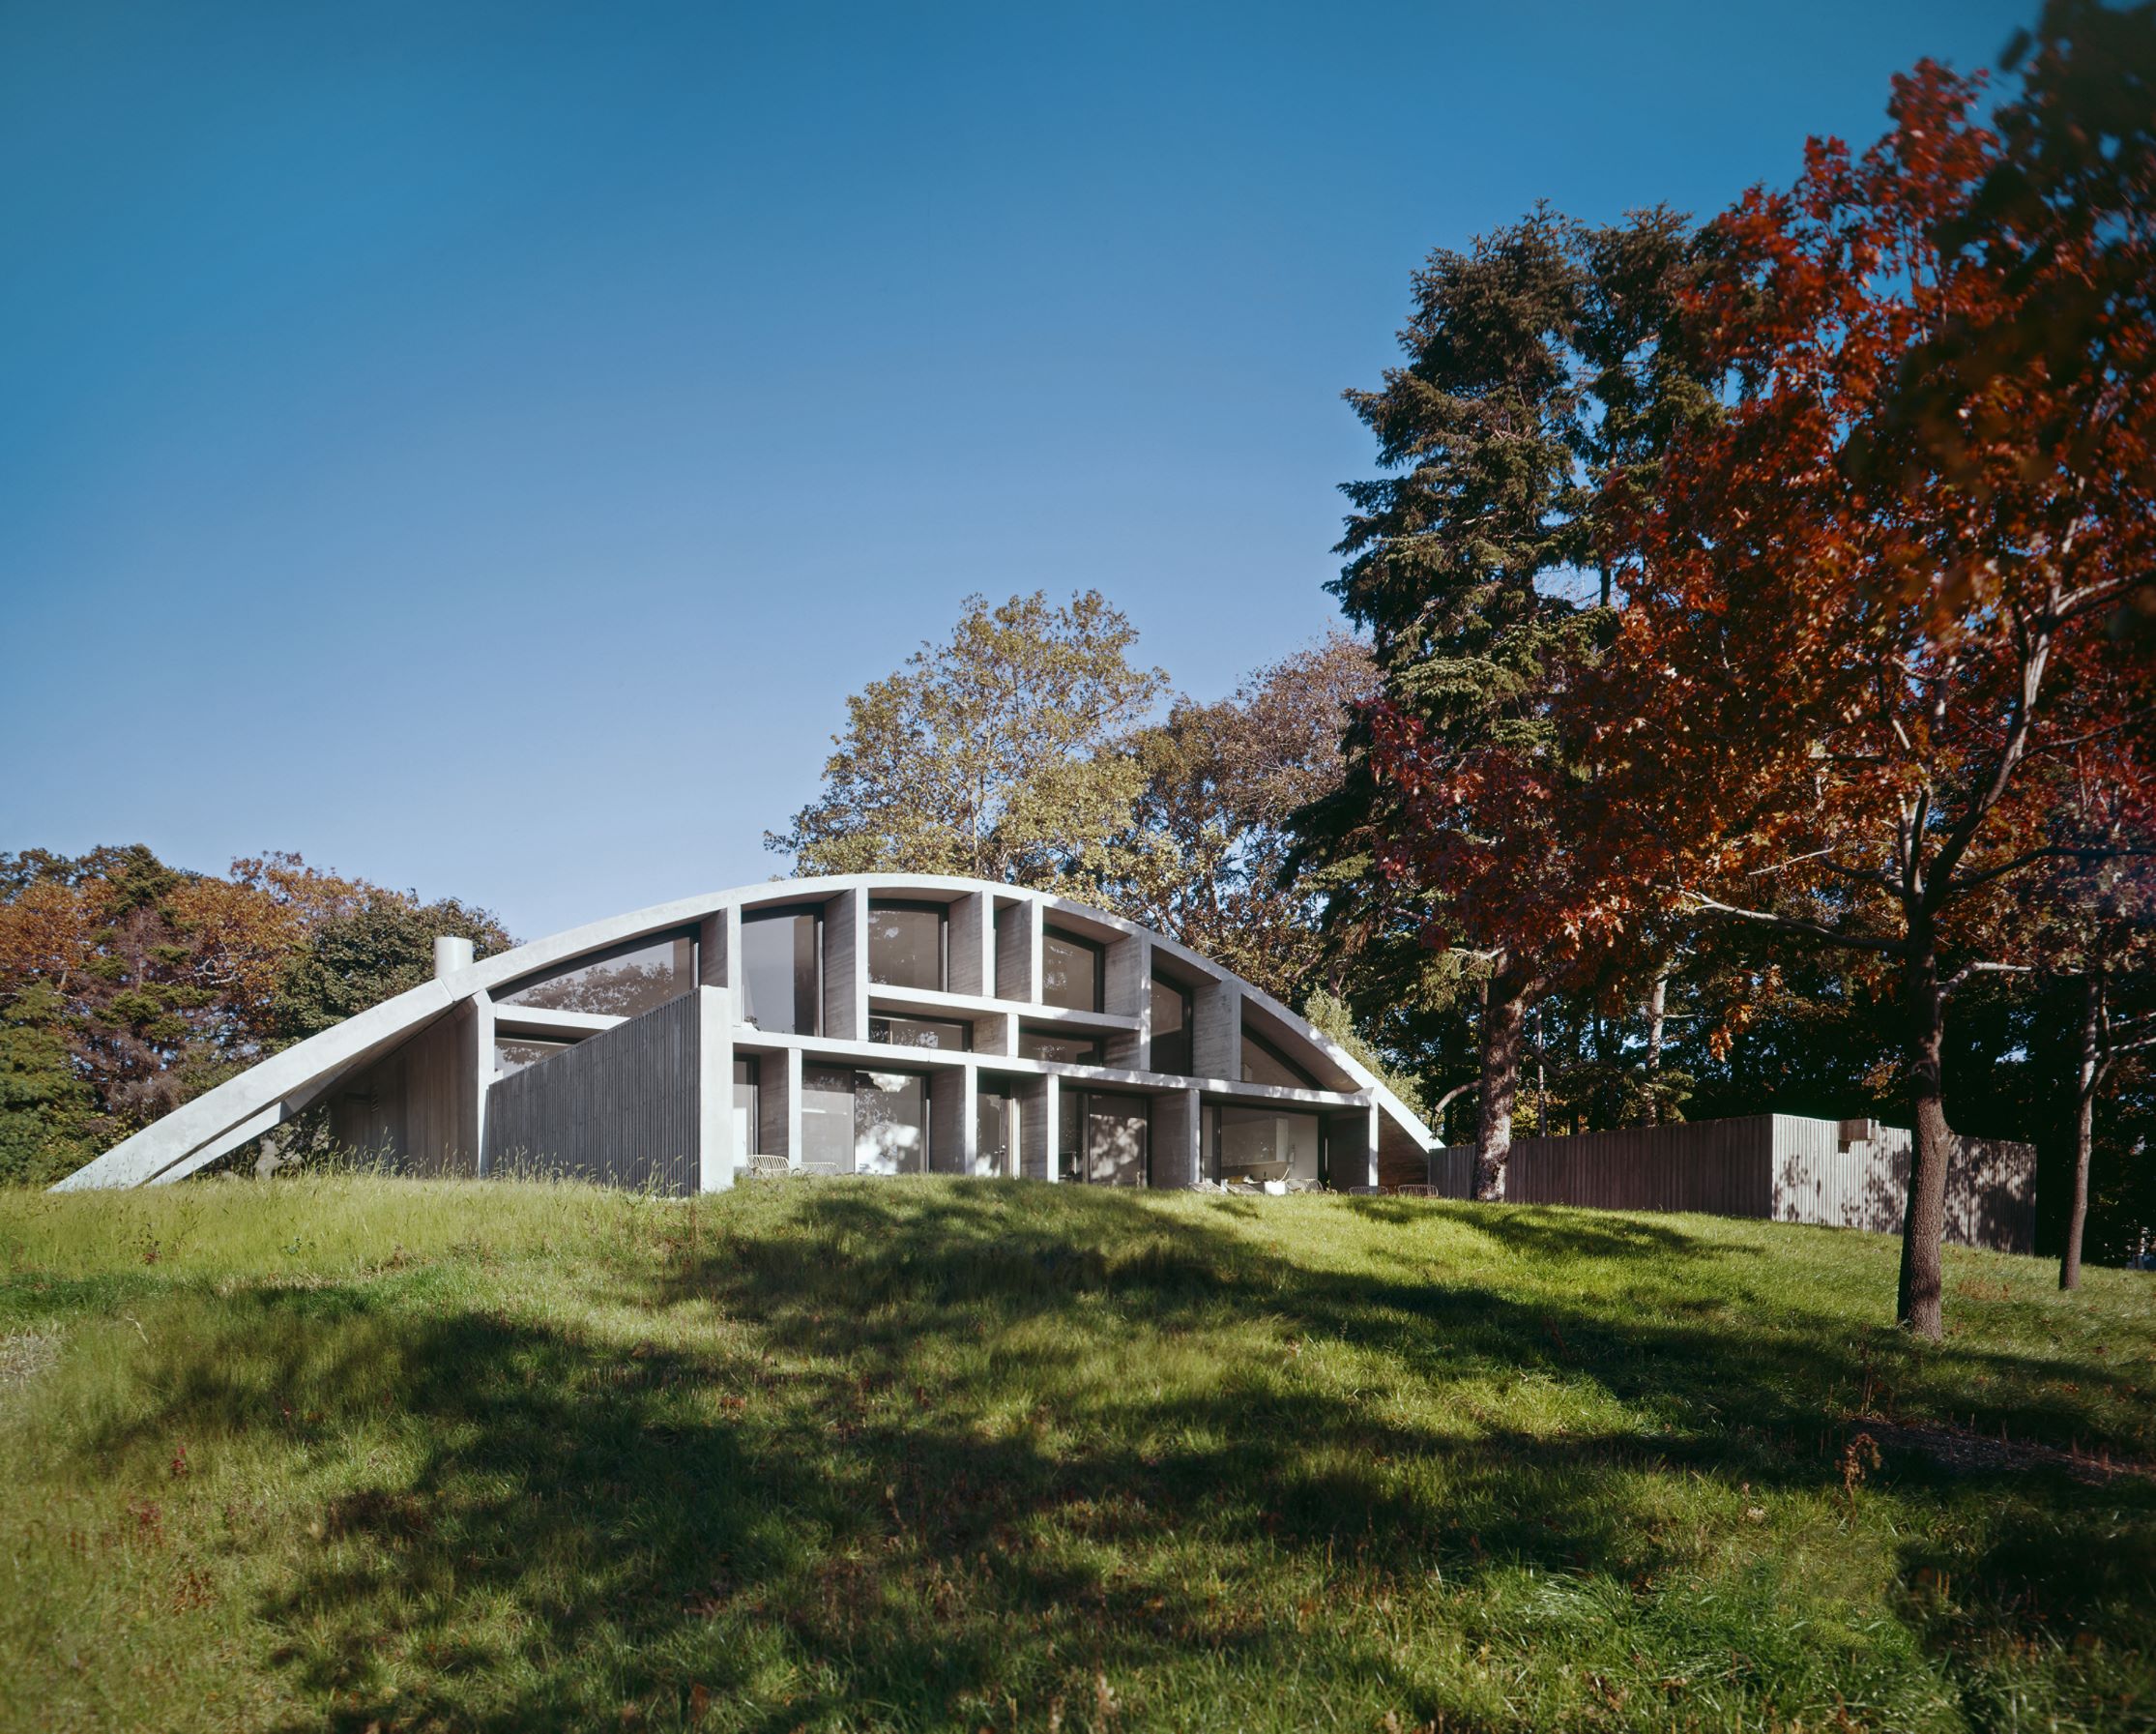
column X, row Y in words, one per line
column 480, row 447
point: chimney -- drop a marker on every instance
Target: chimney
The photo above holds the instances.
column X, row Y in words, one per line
column 450, row 955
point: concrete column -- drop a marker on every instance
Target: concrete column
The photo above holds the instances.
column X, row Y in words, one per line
column 1037, row 1126
column 1216, row 1042
column 1352, row 1148
column 846, row 966
column 1018, row 952
column 716, row 941
column 779, row 1106
column 714, row 1090
column 450, row 955
column 1128, row 971
column 483, row 1076
column 973, row 946
column 1175, row 1119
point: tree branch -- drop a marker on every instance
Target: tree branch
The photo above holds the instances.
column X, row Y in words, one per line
column 1790, row 924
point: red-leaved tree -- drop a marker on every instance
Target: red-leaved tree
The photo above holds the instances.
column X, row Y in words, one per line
column 1866, row 609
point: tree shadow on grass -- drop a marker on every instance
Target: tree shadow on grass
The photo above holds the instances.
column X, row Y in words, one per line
column 788, row 1499
column 1541, row 1231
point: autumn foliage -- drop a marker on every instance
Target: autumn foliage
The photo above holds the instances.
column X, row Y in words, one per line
column 1873, row 618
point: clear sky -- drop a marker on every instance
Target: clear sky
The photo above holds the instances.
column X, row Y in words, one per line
column 481, row 446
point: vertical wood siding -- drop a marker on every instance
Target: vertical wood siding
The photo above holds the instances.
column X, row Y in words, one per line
column 417, row 1108
column 620, row 1109
column 1722, row 1167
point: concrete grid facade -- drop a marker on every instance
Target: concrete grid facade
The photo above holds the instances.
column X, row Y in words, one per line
column 882, row 1024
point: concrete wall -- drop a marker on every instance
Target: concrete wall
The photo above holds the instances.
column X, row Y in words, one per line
column 1862, row 1182
column 846, row 966
column 624, row 1108
column 1016, row 940
column 1216, row 1039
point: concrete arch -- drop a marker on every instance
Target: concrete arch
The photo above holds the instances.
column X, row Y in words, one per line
column 454, row 1011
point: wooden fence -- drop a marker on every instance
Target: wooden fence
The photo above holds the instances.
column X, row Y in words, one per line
column 1779, row 1167
column 621, row 1108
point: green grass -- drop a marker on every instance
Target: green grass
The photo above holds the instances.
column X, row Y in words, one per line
column 368, row 1453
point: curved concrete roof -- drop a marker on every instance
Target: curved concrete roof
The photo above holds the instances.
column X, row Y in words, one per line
column 274, row 1089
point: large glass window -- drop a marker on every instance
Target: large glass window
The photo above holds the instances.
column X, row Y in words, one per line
column 1171, row 1028
column 891, row 1123
column 782, row 971
column 996, row 1125
column 1102, row 1138
column 946, row 1036
column 1265, row 1064
column 1070, row 971
column 1038, row 1044
column 906, row 945
column 1260, row 1143
column 512, row 1053
column 622, row 983
column 827, row 1119
column 746, row 1081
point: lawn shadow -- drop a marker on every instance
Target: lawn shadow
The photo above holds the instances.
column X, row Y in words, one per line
column 773, row 1499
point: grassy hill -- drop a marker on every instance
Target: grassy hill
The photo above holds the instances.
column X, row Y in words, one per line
column 377, row 1454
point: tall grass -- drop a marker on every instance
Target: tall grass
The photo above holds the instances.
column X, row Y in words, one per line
column 355, row 1453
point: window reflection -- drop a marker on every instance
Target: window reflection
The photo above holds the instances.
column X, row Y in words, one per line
column 906, row 945
column 1171, row 1028
column 1102, row 1139
column 624, row 983
column 1260, row 1143
column 782, row 971
column 512, row 1053
column 947, row 1037
column 827, row 1119
column 891, row 1123
column 1070, row 971
column 1265, row 1064
column 1036, row 1043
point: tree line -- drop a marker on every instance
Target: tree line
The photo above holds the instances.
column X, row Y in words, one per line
column 128, row 986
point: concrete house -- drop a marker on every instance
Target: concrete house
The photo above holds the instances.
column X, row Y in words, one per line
column 865, row 1024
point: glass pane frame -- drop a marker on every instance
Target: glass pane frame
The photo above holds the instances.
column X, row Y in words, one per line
column 1173, row 1052
column 1264, row 1063
column 799, row 968
column 1056, row 988
column 622, row 981
column 894, row 947
column 1062, row 1047
column 933, row 1035
column 892, row 1122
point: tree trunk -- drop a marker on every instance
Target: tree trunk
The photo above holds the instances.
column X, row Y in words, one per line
column 1657, row 1009
column 1504, row 1016
column 2084, row 1127
column 1919, row 1308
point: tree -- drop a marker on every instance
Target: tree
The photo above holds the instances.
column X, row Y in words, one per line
column 360, row 958
column 1003, row 754
column 1209, row 857
column 1537, row 370
column 128, row 986
column 1859, row 608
